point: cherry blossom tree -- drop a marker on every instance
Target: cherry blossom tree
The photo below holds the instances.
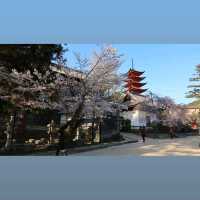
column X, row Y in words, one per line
column 96, row 86
column 168, row 111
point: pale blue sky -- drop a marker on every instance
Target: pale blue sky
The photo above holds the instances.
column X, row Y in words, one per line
column 167, row 67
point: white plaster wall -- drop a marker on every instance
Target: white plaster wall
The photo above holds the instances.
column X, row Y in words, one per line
column 142, row 118
column 138, row 118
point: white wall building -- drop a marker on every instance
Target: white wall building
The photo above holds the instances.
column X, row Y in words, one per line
column 140, row 112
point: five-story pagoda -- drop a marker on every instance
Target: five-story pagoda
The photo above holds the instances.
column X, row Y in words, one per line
column 134, row 88
column 133, row 82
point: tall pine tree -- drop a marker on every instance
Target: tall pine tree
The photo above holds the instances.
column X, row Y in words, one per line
column 194, row 87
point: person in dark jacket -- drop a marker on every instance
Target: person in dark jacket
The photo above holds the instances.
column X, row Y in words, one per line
column 171, row 132
column 143, row 133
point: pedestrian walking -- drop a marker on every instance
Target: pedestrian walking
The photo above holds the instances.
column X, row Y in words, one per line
column 8, row 133
column 171, row 132
column 143, row 133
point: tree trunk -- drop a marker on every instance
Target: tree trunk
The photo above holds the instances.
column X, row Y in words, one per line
column 100, row 131
column 73, row 124
column 13, row 124
column 8, row 140
column 92, row 130
column 10, row 131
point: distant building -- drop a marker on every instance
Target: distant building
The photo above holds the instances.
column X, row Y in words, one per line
column 139, row 111
column 191, row 110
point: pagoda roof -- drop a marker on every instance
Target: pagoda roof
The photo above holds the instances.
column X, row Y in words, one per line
column 134, row 84
column 137, row 90
column 135, row 72
column 136, row 78
column 142, row 107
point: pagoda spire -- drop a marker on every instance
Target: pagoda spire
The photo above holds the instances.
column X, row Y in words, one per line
column 132, row 64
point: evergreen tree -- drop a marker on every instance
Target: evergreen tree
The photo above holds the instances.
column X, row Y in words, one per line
column 24, row 57
column 195, row 86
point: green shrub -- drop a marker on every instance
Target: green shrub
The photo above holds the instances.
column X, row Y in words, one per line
column 126, row 125
column 158, row 127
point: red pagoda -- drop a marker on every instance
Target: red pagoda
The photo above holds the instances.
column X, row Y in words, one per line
column 133, row 82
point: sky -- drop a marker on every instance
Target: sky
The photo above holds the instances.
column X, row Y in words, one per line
column 167, row 67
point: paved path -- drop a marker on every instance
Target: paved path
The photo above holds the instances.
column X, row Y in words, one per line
column 188, row 146
column 129, row 138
